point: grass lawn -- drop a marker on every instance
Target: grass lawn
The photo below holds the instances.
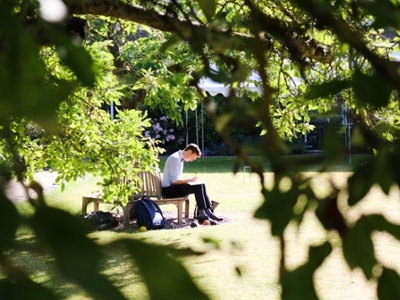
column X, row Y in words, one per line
column 245, row 243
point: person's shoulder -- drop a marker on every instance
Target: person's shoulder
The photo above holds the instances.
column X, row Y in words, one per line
column 174, row 156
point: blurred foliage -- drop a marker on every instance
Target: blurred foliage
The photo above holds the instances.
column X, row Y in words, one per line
column 311, row 56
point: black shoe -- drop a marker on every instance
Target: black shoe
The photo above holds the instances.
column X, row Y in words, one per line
column 215, row 218
column 212, row 222
column 202, row 219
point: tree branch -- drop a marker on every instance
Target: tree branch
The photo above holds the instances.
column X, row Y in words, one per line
column 163, row 22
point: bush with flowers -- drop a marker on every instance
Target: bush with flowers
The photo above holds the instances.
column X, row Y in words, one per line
column 165, row 133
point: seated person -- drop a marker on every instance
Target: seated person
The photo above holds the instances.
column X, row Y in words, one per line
column 174, row 186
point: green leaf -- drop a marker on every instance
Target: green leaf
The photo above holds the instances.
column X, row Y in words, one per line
column 164, row 276
column 24, row 288
column 26, row 89
column 326, row 89
column 358, row 249
column 329, row 214
column 300, row 281
column 44, row 111
column 360, row 183
column 222, row 121
column 77, row 257
column 170, row 42
column 332, row 145
column 384, row 169
column 344, row 47
column 238, row 271
column 278, row 208
column 385, row 14
column 371, row 89
column 208, row 7
column 74, row 56
column 389, row 285
column 378, row 222
column 8, row 212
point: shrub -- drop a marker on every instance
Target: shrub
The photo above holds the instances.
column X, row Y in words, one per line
column 165, row 133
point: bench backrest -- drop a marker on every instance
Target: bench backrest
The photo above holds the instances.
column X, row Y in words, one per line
column 151, row 184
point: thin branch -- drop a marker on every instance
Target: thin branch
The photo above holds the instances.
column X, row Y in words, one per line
column 166, row 23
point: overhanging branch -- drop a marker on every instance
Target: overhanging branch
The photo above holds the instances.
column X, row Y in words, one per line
column 137, row 14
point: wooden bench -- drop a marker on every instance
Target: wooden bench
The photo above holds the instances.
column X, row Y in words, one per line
column 151, row 188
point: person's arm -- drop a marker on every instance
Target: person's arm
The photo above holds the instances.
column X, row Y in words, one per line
column 185, row 181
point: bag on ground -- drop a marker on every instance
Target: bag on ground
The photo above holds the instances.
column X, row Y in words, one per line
column 148, row 214
column 100, row 220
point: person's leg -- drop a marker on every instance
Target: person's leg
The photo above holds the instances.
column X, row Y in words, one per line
column 204, row 203
column 181, row 190
column 177, row 190
column 202, row 200
column 200, row 194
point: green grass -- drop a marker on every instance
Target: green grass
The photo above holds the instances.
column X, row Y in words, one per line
column 313, row 163
column 245, row 243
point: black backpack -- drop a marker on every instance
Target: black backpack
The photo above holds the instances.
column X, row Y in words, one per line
column 148, row 214
column 100, row 220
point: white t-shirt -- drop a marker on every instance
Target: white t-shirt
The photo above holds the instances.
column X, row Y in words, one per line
column 173, row 169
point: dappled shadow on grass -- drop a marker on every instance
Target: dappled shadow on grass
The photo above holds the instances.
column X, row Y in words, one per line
column 28, row 255
column 39, row 265
column 118, row 266
column 115, row 264
column 171, row 223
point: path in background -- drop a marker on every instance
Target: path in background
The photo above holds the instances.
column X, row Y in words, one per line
column 16, row 192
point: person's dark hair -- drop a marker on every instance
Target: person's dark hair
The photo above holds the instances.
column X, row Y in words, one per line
column 194, row 148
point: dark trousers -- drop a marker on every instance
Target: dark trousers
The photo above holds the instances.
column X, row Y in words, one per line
column 180, row 190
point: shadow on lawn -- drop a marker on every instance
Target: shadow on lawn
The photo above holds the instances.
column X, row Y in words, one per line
column 29, row 254
column 171, row 223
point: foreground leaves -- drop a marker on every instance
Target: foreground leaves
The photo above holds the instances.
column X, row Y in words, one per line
column 389, row 285
column 161, row 273
column 77, row 257
column 278, row 206
column 21, row 287
column 300, row 281
column 9, row 212
column 358, row 246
